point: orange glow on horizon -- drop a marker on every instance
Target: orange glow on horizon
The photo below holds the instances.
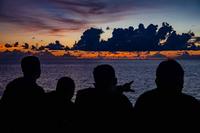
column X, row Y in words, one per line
column 124, row 55
column 108, row 55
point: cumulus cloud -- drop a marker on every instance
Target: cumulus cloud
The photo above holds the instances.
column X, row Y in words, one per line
column 55, row 46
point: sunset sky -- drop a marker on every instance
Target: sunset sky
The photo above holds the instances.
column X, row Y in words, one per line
column 44, row 21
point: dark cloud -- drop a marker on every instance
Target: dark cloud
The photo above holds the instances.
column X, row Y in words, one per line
column 60, row 15
column 139, row 39
column 73, row 15
column 55, row 46
column 99, row 9
column 38, row 18
column 27, row 21
column 7, row 45
column 197, row 39
column 25, row 46
column 83, row 7
column 16, row 44
column 34, row 24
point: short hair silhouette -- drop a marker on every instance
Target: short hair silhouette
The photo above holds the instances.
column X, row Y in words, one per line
column 31, row 67
column 104, row 106
column 60, row 107
column 23, row 99
column 170, row 74
column 167, row 106
column 65, row 87
column 104, row 76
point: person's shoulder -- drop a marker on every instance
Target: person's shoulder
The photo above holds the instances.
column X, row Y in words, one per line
column 40, row 89
column 12, row 87
column 124, row 100
column 85, row 91
column 84, row 94
column 192, row 103
column 150, row 93
column 50, row 96
column 121, row 96
column 189, row 98
column 147, row 97
column 16, row 81
column 50, row 93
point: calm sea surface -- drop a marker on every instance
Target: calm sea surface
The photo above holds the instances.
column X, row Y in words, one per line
column 141, row 71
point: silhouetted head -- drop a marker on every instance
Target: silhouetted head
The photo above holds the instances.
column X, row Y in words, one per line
column 31, row 67
column 65, row 88
column 170, row 76
column 104, row 76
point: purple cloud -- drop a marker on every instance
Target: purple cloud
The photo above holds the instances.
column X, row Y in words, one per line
column 58, row 15
column 55, row 16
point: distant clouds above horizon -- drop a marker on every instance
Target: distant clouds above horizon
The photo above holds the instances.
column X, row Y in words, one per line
column 65, row 20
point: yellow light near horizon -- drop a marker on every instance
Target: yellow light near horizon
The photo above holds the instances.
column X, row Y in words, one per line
column 197, row 43
column 109, row 55
column 33, row 38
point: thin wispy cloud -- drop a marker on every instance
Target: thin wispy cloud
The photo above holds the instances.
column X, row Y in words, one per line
column 60, row 15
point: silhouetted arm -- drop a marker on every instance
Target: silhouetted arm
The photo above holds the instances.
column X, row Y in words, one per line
column 125, row 87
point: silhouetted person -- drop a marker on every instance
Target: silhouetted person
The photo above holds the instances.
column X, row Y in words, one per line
column 22, row 99
column 103, row 107
column 60, row 108
column 166, row 106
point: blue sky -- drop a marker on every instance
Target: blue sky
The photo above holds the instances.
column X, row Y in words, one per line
column 44, row 21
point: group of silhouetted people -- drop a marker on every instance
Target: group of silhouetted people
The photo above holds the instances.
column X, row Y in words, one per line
column 25, row 107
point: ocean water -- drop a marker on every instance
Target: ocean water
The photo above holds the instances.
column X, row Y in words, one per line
column 141, row 71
